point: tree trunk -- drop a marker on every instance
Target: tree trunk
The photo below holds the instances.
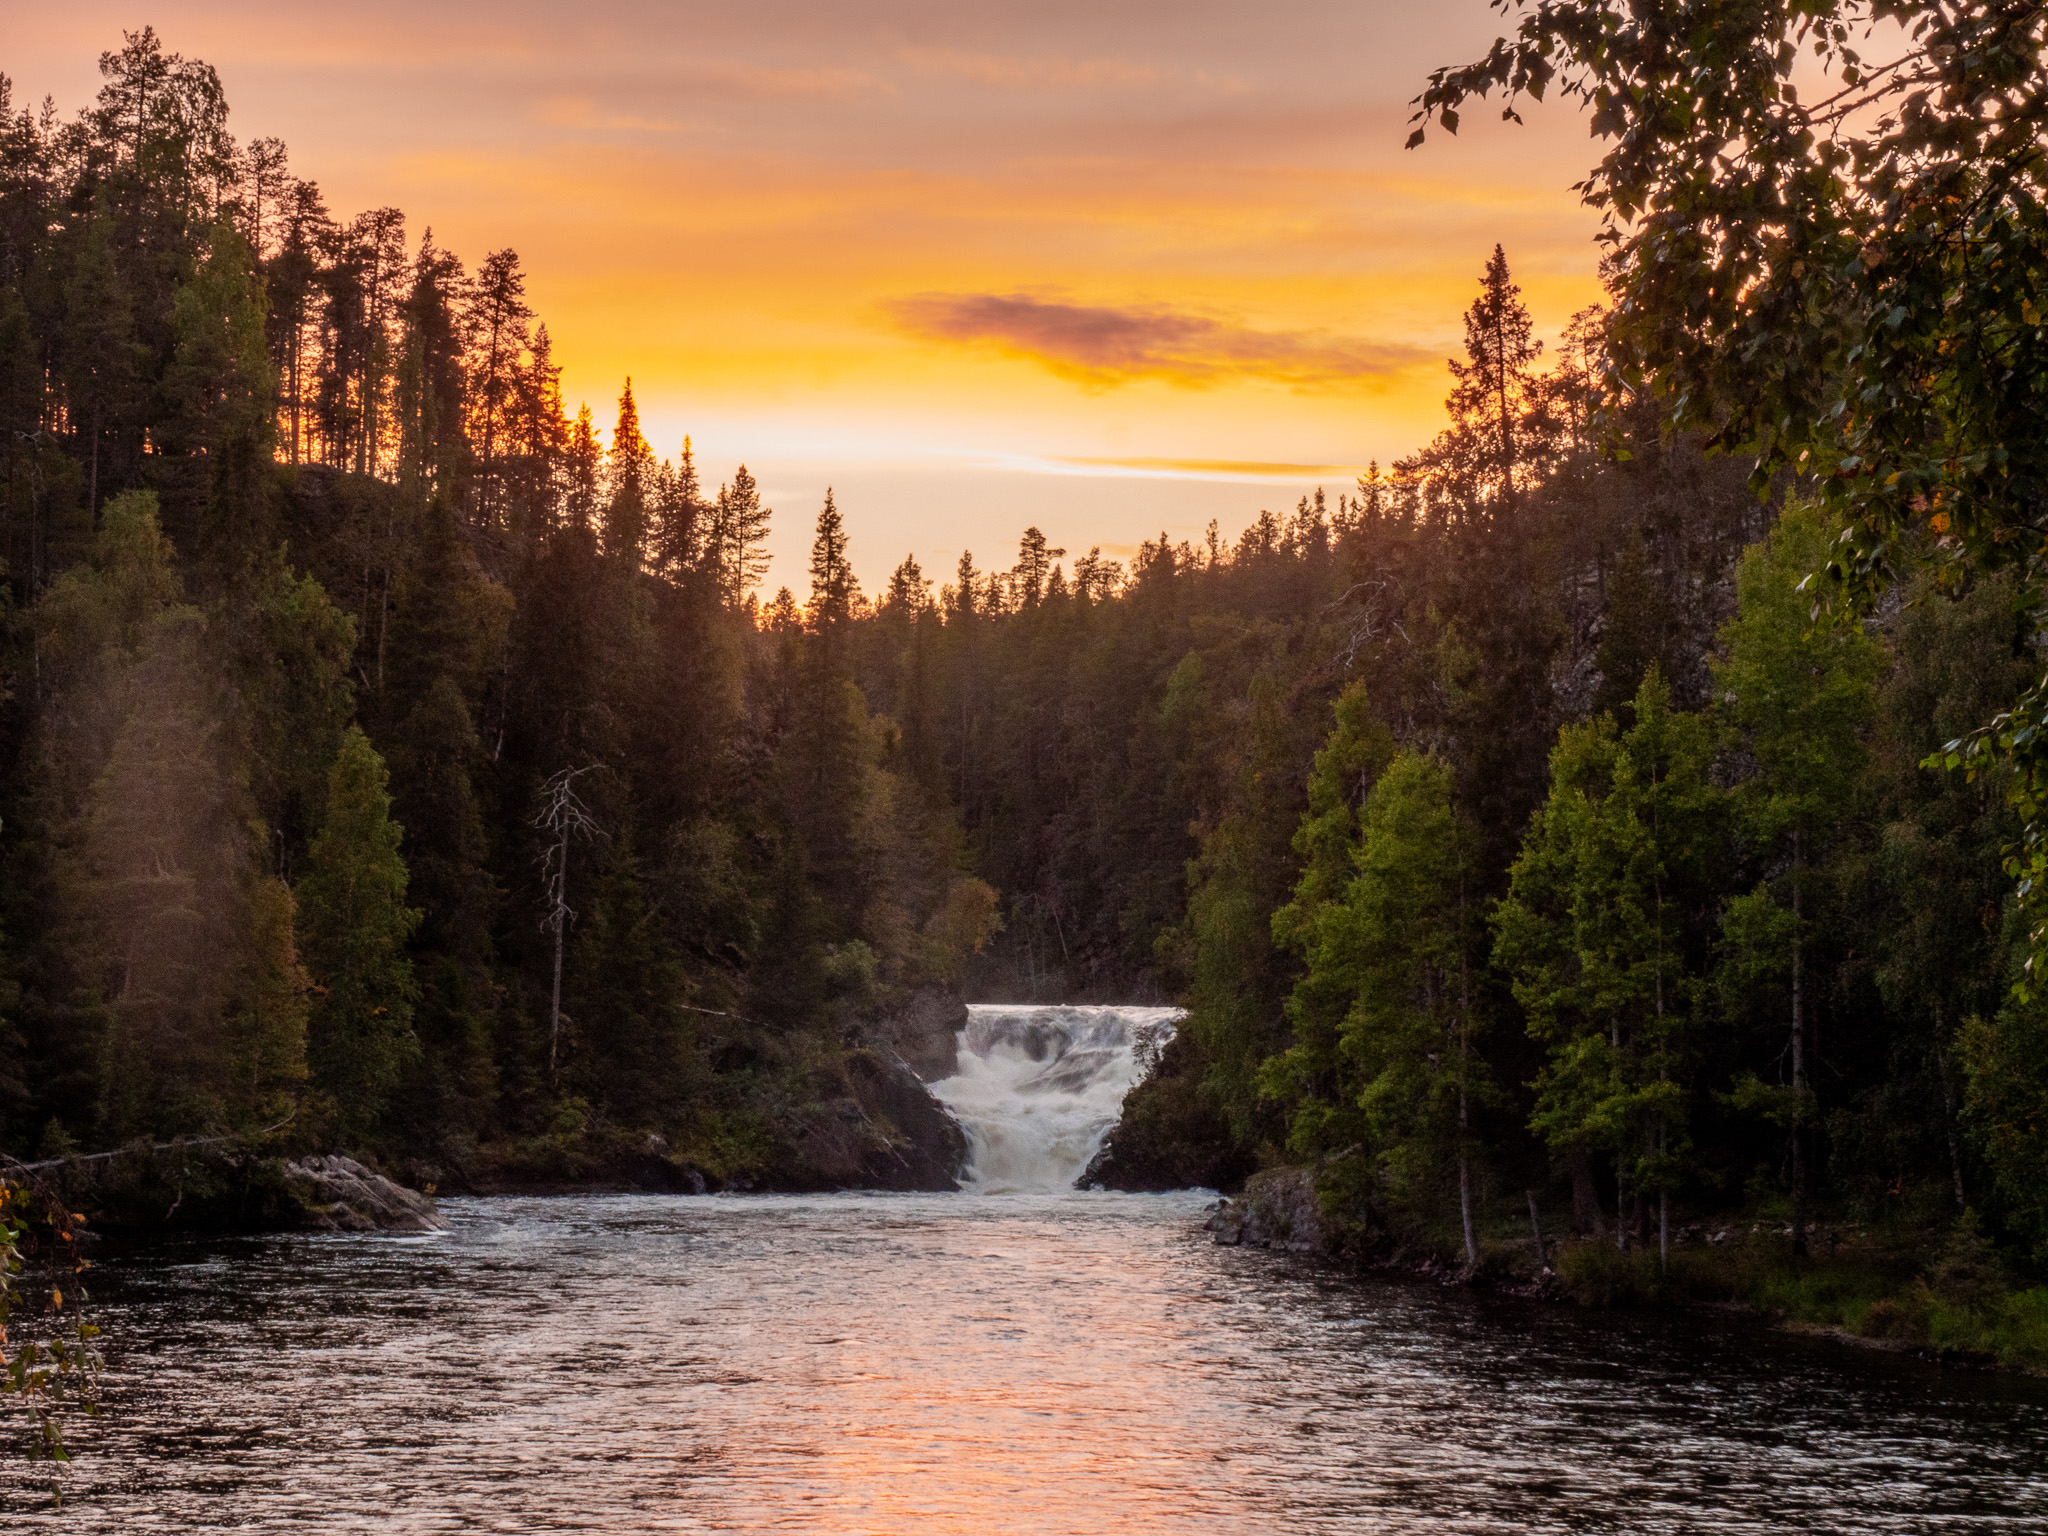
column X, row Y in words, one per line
column 1465, row 1210
column 1622, row 1213
column 1798, row 1063
column 1464, row 1069
column 1663, row 1209
column 1586, row 1213
column 1536, row 1228
column 1948, row 1105
column 561, row 925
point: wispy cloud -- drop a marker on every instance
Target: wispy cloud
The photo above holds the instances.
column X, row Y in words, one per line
column 1102, row 345
column 1220, row 469
column 1127, row 467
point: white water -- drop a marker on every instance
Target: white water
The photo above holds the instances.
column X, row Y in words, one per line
column 1040, row 1087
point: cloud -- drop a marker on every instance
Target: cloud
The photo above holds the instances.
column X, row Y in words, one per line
column 1221, row 469
column 1103, row 346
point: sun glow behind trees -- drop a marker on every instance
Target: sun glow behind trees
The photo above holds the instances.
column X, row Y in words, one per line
column 735, row 207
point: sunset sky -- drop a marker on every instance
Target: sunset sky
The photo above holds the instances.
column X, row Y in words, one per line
column 1105, row 267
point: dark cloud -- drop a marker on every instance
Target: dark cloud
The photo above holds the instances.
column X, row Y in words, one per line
column 1102, row 346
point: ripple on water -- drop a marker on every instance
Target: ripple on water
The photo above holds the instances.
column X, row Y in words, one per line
column 1051, row 1363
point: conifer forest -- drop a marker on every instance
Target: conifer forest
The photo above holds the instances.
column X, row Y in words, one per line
column 1623, row 813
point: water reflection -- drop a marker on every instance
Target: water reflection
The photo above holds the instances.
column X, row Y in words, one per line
column 1073, row 1363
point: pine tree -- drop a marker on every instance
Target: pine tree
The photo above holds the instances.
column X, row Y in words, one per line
column 1393, row 960
column 266, row 1050
column 677, row 523
column 1471, row 470
column 1033, row 560
column 100, row 355
column 1632, row 640
column 733, row 545
column 497, row 317
column 584, row 458
column 1491, row 386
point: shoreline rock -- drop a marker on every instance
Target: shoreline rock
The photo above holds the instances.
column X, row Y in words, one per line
column 338, row 1194
column 1278, row 1209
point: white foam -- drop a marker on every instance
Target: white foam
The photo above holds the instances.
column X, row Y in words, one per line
column 1039, row 1088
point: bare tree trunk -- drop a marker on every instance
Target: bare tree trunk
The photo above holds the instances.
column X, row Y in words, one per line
column 1465, row 1194
column 1622, row 1214
column 1536, row 1227
column 1586, row 1213
column 1798, row 1063
column 564, row 817
column 559, row 918
column 1663, row 1211
column 1948, row 1105
column 1464, row 1071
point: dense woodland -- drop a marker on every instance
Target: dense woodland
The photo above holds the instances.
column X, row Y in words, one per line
column 395, row 761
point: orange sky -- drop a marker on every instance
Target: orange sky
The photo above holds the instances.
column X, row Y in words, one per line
column 976, row 266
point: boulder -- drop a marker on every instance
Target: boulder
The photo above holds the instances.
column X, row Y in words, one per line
column 338, row 1194
column 1278, row 1209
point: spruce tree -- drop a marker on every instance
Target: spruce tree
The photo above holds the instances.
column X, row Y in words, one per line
column 630, row 470
column 1606, row 934
column 353, row 926
column 1311, row 1076
column 1397, row 954
column 833, row 588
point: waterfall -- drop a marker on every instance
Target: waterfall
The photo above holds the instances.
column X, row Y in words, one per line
column 1039, row 1088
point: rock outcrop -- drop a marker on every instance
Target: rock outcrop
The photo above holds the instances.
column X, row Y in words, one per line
column 338, row 1194
column 924, row 1034
column 886, row 1131
column 1278, row 1209
column 1170, row 1135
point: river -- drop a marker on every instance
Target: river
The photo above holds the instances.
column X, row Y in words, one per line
column 1045, row 1361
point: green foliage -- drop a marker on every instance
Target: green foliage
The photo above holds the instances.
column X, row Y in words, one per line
column 1604, row 934
column 2006, row 1059
column 1395, row 947
column 1845, row 286
column 49, row 1365
column 1799, row 692
column 353, row 924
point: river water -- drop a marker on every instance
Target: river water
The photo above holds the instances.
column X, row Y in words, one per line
column 1018, row 1357
column 1069, row 1363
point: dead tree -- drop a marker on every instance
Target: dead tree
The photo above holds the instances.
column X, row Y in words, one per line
column 563, row 817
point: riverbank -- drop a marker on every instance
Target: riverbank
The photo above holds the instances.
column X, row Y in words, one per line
column 861, row 1120
column 1940, row 1291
